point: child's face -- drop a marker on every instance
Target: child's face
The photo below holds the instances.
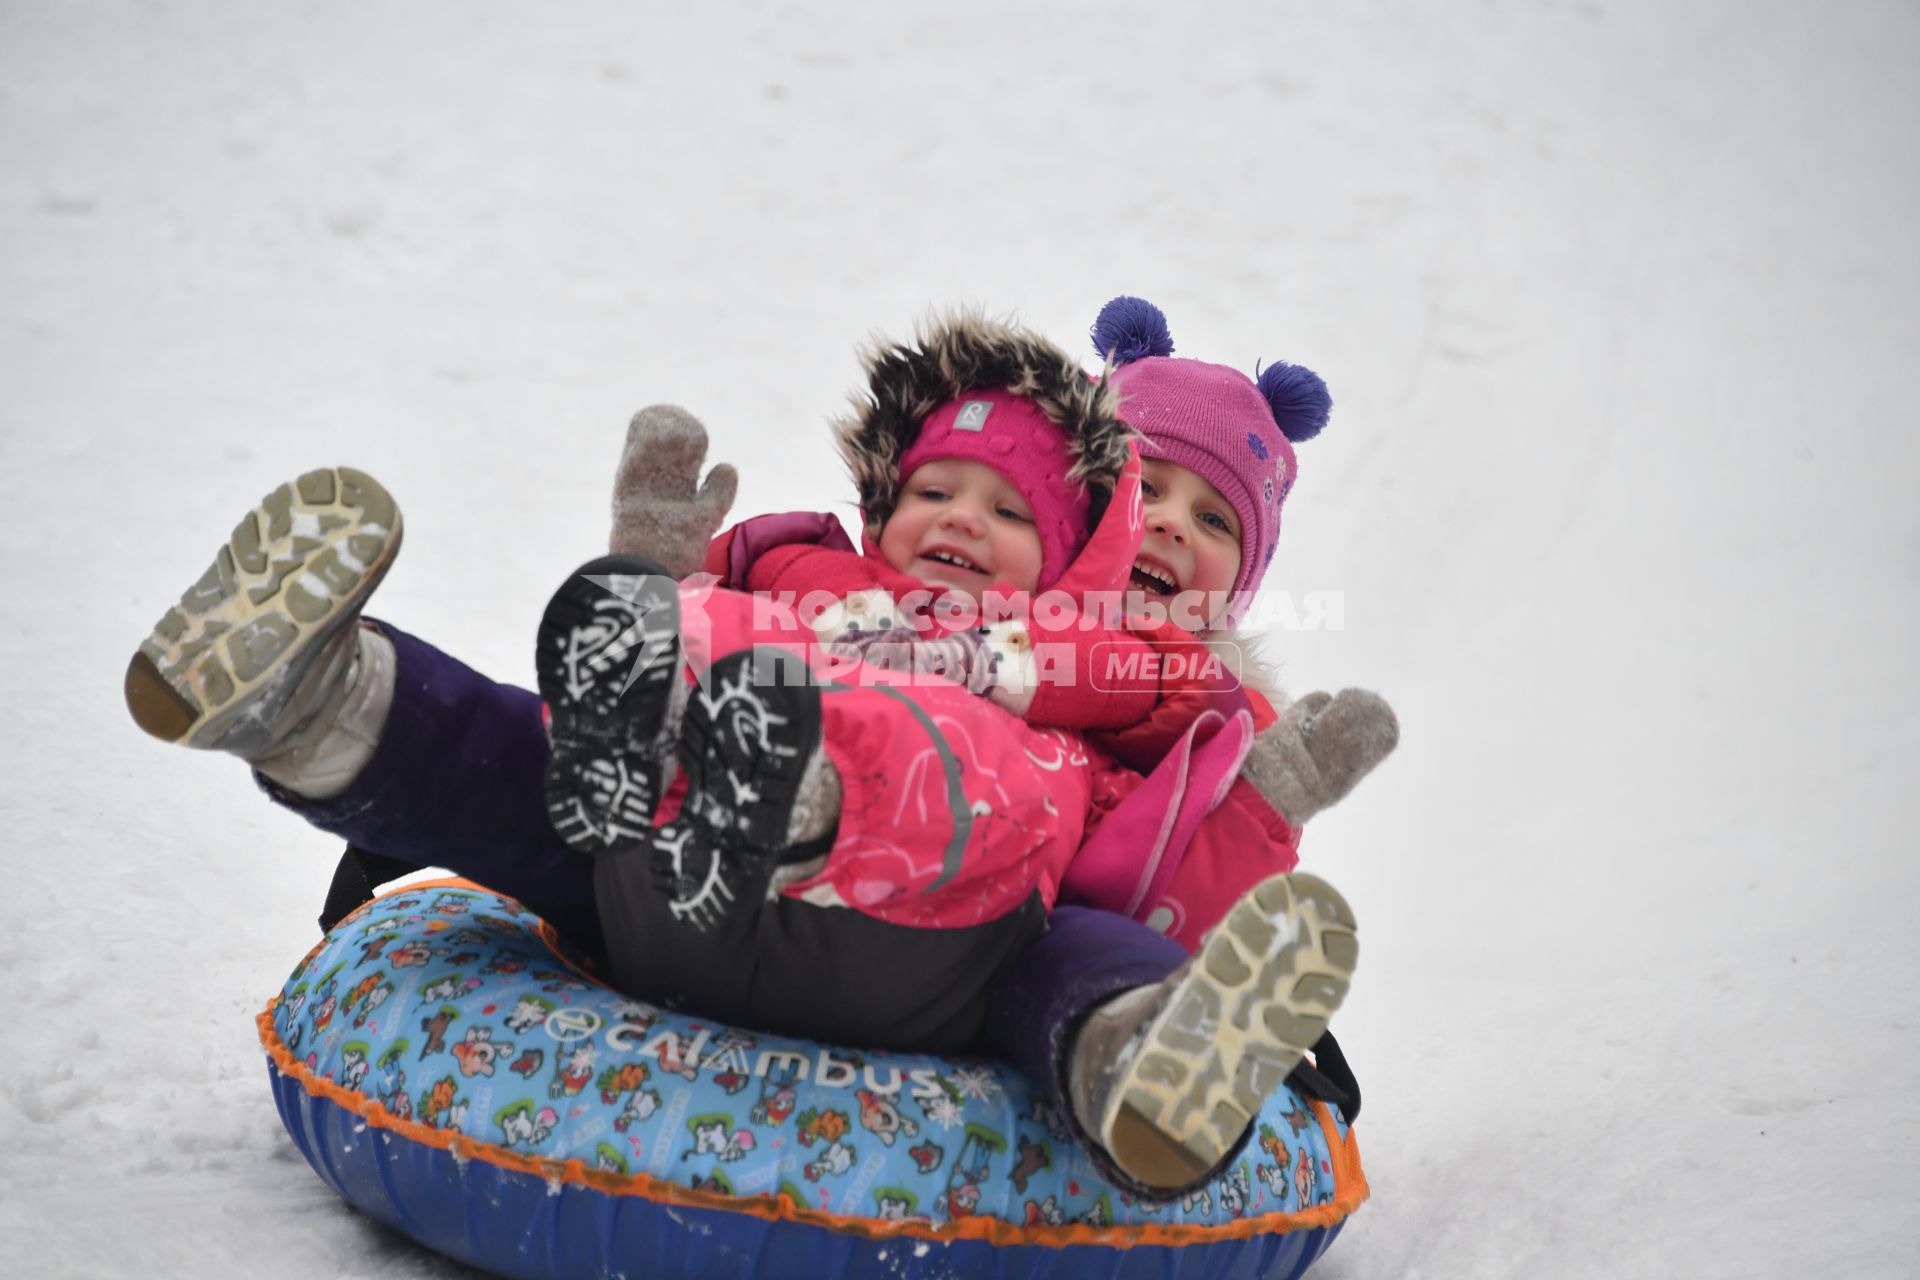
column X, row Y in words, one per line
column 1192, row 539
column 960, row 524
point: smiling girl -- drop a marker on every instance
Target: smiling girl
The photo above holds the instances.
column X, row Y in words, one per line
column 1192, row 540
column 961, row 524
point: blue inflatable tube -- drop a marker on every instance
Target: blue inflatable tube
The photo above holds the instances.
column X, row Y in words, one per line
column 445, row 1070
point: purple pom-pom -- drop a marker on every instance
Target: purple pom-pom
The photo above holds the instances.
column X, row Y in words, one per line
column 1129, row 329
column 1298, row 397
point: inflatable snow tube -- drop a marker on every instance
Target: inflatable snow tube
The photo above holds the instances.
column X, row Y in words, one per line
column 447, row 1071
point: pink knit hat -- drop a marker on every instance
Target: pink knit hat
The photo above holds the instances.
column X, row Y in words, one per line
column 1236, row 433
column 1010, row 434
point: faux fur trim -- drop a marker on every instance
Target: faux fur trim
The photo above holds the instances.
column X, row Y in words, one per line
column 962, row 351
column 1245, row 654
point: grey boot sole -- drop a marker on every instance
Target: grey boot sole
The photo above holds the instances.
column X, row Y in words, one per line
column 609, row 660
column 1236, row 1020
column 222, row 663
column 745, row 745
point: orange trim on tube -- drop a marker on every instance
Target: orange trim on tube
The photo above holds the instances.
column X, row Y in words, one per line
column 773, row 1208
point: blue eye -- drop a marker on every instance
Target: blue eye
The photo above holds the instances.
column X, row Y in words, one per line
column 1218, row 521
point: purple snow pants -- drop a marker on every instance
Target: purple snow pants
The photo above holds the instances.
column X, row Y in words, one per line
column 457, row 781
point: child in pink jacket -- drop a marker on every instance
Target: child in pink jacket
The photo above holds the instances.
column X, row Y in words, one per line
column 1218, row 463
column 1215, row 475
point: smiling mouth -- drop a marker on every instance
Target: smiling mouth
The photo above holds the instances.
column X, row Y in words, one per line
column 953, row 558
column 1152, row 578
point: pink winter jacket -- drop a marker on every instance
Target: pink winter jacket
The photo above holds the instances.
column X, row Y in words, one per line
column 1215, row 837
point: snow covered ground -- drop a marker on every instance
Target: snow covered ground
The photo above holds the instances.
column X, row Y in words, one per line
column 1618, row 302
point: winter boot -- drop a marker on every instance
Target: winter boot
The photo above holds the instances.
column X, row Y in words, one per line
column 1166, row 1078
column 608, row 661
column 621, row 716
column 760, row 790
column 264, row 652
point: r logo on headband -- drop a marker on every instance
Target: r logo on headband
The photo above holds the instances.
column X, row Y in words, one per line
column 973, row 415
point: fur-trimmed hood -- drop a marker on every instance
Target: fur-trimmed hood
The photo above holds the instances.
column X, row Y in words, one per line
column 964, row 351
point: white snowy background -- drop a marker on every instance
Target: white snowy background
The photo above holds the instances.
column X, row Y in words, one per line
column 1620, row 305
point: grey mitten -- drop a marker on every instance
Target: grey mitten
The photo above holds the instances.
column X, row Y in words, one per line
column 660, row 508
column 1319, row 749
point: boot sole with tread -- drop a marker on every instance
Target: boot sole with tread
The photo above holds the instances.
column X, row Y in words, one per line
column 220, row 664
column 750, row 730
column 608, row 662
column 1234, row 1023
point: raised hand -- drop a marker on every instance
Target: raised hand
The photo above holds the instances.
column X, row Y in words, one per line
column 660, row 508
column 1319, row 750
